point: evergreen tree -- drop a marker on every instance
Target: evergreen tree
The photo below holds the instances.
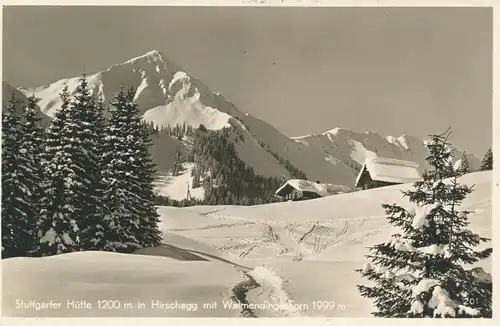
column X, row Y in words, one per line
column 128, row 177
column 177, row 164
column 19, row 183
column 149, row 233
column 487, row 163
column 57, row 228
column 33, row 146
column 196, row 178
column 93, row 227
column 464, row 167
column 420, row 273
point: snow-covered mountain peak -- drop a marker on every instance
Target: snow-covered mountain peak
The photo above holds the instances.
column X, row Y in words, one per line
column 335, row 131
column 166, row 94
column 338, row 132
column 153, row 55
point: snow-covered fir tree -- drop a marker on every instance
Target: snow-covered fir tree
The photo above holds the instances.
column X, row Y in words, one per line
column 33, row 143
column 57, row 228
column 20, row 179
column 149, row 234
column 464, row 167
column 177, row 164
column 487, row 163
column 87, row 121
column 128, row 177
column 421, row 272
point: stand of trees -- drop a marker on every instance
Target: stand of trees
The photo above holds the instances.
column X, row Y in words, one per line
column 226, row 179
column 84, row 184
column 178, row 131
column 224, row 176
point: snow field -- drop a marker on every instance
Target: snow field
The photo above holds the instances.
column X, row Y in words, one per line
column 294, row 254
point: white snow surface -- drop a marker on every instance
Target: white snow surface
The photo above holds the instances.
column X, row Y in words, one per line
column 442, row 304
column 176, row 187
column 403, row 245
column 423, row 286
column 142, row 86
column 359, row 153
column 432, row 249
column 93, row 276
column 417, row 307
column 421, row 214
column 309, row 248
column 186, row 107
column 178, row 76
column 266, row 276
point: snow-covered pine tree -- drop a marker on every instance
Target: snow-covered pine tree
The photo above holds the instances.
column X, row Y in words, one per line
column 19, row 183
column 128, row 177
column 88, row 114
column 118, row 180
column 149, row 234
column 487, row 163
column 33, row 145
column 464, row 167
column 57, row 228
column 421, row 272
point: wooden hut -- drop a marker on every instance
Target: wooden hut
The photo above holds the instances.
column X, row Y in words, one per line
column 380, row 172
column 297, row 189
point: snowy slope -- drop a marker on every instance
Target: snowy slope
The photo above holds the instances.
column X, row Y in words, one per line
column 183, row 278
column 315, row 162
column 177, row 187
column 286, row 254
column 315, row 245
column 333, row 214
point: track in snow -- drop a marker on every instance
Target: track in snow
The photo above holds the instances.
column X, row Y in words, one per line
column 239, row 295
column 262, row 287
column 284, row 238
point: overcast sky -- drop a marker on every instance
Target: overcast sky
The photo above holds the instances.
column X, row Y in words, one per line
column 304, row 70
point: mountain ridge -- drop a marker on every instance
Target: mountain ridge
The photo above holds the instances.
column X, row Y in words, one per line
column 168, row 95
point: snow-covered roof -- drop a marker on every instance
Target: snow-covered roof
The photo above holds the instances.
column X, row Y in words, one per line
column 390, row 170
column 321, row 189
